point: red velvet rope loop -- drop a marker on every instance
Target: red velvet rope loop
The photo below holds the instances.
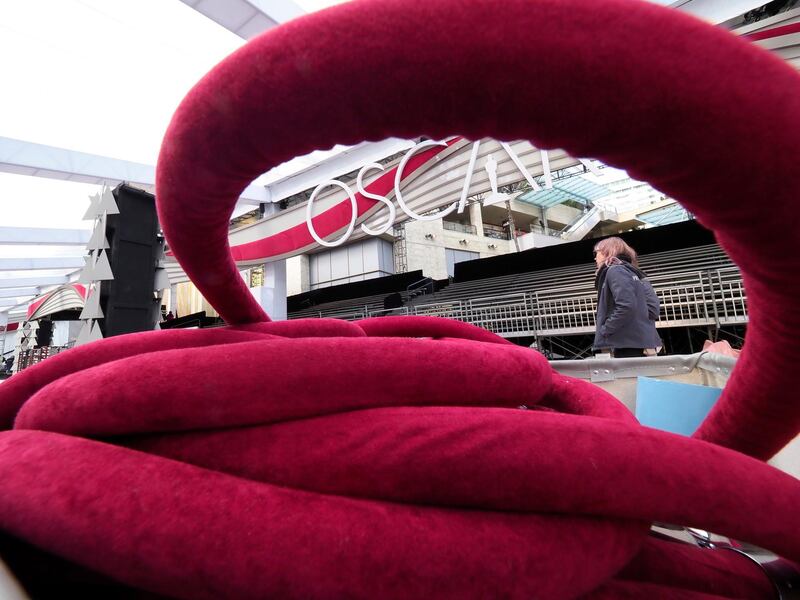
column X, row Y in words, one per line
column 325, row 459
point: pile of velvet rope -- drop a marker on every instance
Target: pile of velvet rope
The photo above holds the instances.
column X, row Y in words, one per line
column 388, row 458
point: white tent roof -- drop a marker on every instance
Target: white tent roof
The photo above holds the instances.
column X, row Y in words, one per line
column 93, row 79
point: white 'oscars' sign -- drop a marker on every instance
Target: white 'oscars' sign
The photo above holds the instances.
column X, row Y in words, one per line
column 494, row 198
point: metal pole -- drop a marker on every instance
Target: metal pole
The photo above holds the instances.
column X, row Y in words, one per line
column 512, row 228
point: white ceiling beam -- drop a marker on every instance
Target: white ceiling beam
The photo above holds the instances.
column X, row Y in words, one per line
column 37, row 264
column 15, row 315
column 19, row 292
column 247, row 18
column 41, row 236
column 24, row 282
column 344, row 162
column 11, row 302
column 37, row 160
column 715, row 11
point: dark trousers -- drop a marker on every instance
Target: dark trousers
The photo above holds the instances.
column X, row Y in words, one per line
column 628, row 352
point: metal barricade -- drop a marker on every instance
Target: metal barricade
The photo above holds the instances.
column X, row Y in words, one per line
column 386, row 312
column 507, row 315
column 32, row 356
column 560, row 312
column 729, row 296
column 449, row 310
column 685, row 299
column 347, row 315
column 713, row 297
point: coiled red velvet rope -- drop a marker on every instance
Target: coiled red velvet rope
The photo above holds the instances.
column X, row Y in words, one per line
column 328, row 459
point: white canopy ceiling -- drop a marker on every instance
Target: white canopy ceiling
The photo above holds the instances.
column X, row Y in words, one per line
column 95, row 79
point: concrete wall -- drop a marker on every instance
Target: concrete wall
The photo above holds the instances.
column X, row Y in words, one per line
column 538, row 240
column 428, row 253
column 359, row 261
column 562, row 215
column 368, row 258
column 271, row 294
column 297, row 275
column 525, row 208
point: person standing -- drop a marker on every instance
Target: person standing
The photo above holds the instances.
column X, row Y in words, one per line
column 627, row 305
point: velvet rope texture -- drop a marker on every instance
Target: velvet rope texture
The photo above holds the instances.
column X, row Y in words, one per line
column 531, row 463
column 716, row 133
column 258, row 108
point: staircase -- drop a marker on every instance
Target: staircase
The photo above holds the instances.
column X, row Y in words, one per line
column 418, row 289
column 580, row 228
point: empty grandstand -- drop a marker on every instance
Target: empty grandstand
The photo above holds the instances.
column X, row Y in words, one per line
column 553, row 308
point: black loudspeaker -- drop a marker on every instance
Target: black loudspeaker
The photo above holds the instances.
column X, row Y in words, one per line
column 44, row 334
column 128, row 301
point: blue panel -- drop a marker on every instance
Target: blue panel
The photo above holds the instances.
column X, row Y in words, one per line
column 671, row 406
column 575, row 188
column 672, row 213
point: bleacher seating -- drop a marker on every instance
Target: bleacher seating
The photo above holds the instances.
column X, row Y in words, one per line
column 350, row 309
column 580, row 278
column 697, row 286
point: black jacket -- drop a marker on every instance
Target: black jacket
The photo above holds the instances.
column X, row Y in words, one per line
column 627, row 308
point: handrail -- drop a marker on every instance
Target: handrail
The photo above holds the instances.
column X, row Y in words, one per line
column 400, row 310
column 32, row 356
column 436, row 304
column 426, row 284
column 581, row 220
column 450, row 226
column 710, row 296
column 548, row 231
column 355, row 314
column 517, row 296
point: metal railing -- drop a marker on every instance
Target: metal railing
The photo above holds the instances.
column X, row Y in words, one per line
column 419, row 288
column 503, row 315
column 583, row 224
column 389, row 312
column 352, row 314
column 685, row 300
column 495, row 235
column 541, row 229
column 451, row 310
column 712, row 297
column 495, row 232
column 452, row 226
column 730, row 301
column 28, row 358
column 560, row 312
